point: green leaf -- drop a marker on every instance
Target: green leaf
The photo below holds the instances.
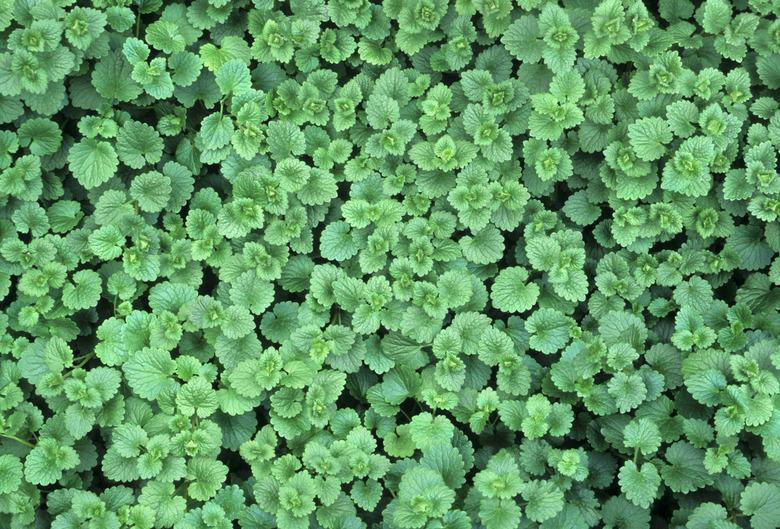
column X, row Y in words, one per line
column 648, row 137
column 366, row 494
column 83, row 292
column 761, row 501
column 196, row 397
column 484, row 247
column 138, row 144
column 549, row 330
column 41, row 135
column 708, row 515
column 165, row 36
column 205, row 477
column 46, row 462
column 716, row 16
column 149, row 371
column 642, row 435
column 428, row 430
column 233, row 78
column 152, row 191
column 499, row 514
column 545, row 500
column 10, row 473
column 511, row 291
column 92, row 162
column 628, row 390
column 500, row 479
column 640, row 485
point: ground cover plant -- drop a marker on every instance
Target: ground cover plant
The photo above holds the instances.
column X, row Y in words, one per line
column 341, row 264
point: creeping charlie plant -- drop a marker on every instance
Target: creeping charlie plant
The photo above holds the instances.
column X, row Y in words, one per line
column 392, row 264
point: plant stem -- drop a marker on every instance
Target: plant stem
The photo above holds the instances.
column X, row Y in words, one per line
column 84, row 360
column 21, row 441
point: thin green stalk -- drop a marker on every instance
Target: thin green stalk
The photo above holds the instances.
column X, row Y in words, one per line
column 20, row 441
column 84, row 360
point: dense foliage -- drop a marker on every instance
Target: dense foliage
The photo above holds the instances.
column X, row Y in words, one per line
column 342, row 264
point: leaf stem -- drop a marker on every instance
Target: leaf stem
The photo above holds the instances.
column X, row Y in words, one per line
column 21, row 441
column 85, row 359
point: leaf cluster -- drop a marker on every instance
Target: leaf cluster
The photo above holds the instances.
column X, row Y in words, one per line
column 404, row 264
